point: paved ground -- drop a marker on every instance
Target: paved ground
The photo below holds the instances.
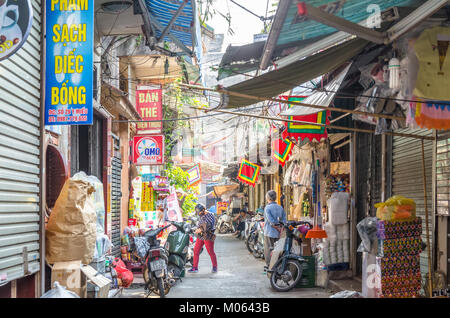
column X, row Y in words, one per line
column 240, row 275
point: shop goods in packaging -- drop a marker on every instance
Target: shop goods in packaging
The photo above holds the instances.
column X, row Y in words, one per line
column 396, row 208
column 338, row 208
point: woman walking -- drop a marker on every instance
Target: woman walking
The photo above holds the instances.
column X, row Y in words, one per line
column 205, row 236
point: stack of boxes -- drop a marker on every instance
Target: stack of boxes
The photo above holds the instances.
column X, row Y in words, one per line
column 400, row 245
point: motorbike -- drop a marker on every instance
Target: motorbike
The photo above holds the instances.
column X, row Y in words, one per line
column 155, row 272
column 225, row 223
column 255, row 241
column 177, row 245
column 285, row 269
column 193, row 222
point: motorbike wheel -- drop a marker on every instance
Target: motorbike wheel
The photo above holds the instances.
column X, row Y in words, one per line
column 250, row 244
column 289, row 278
column 224, row 229
column 155, row 289
column 161, row 291
column 176, row 272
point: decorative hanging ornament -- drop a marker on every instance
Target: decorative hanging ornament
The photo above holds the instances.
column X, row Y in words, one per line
column 248, row 172
column 281, row 150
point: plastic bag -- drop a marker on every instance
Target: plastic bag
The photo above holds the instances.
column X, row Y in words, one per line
column 59, row 291
column 97, row 198
column 123, row 273
column 367, row 230
column 102, row 246
column 347, row 294
column 142, row 246
column 396, row 208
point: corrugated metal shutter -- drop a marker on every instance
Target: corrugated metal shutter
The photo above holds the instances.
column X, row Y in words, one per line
column 116, row 195
column 443, row 188
column 19, row 155
column 407, row 178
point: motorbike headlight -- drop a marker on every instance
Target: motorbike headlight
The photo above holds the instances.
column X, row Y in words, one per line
column 167, row 246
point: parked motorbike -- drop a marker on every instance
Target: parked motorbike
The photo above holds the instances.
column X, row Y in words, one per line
column 225, row 223
column 285, row 269
column 155, row 271
column 255, row 241
column 177, row 245
column 193, row 222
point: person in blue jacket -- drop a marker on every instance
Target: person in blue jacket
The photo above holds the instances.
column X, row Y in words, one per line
column 273, row 214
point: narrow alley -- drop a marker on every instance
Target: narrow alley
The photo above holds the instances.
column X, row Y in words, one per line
column 240, row 276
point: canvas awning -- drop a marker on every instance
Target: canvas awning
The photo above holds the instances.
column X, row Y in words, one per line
column 282, row 80
column 321, row 98
column 221, row 190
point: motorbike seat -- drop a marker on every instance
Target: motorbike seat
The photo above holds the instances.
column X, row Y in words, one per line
column 155, row 232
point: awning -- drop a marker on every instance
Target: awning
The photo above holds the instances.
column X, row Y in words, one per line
column 320, row 98
column 296, row 27
column 246, row 58
column 175, row 21
column 221, row 190
column 282, row 80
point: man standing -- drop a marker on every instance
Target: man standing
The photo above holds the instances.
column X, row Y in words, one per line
column 273, row 214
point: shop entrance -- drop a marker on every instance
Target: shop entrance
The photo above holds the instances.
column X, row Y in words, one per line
column 86, row 153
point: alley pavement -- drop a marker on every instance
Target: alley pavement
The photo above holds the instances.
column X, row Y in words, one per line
column 240, row 276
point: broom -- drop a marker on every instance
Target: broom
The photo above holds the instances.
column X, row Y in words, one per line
column 316, row 232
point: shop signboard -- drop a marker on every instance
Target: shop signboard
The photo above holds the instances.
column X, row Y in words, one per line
column 69, row 62
column 148, row 150
column 221, row 207
column 149, row 107
column 16, row 19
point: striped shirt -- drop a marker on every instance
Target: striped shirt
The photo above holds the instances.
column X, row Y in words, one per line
column 207, row 223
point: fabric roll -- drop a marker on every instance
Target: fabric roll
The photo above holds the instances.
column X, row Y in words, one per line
column 326, row 252
column 343, row 231
column 331, row 231
column 339, row 251
column 346, row 250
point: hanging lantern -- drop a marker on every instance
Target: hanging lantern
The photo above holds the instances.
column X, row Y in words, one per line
column 394, row 73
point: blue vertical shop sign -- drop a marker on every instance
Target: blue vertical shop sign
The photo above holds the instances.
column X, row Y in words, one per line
column 69, row 62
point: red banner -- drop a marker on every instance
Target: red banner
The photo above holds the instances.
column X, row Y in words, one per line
column 148, row 150
column 149, row 107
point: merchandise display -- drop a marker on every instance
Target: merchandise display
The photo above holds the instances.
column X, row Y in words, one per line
column 399, row 258
column 396, row 208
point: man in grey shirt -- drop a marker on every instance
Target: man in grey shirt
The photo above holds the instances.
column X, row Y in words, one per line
column 273, row 214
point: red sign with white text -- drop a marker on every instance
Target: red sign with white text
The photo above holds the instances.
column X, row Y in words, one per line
column 149, row 107
column 148, row 150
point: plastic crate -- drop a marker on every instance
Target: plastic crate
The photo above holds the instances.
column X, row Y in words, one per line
column 308, row 279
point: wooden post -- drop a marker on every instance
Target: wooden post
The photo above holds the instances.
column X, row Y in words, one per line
column 427, row 222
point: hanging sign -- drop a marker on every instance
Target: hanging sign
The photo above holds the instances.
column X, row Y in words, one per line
column 16, row 19
column 194, row 175
column 174, row 213
column 69, row 62
column 248, row 172
column 148, row 150
column 149, row 107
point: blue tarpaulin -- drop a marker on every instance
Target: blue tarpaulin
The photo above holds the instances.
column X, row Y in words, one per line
column 185, row 25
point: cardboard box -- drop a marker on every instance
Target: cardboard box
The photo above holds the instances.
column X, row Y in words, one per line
column 306, row 247
column 68, row 274
column 93, row 277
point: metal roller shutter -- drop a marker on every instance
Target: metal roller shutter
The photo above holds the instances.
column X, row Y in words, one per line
column 443, row 188
column 407, row 178
column 116, row 195
column 19, row 156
